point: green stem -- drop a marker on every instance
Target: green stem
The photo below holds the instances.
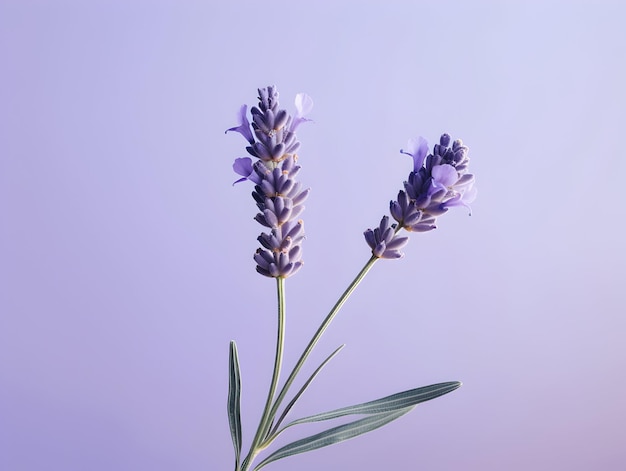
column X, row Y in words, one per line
column 266, row 417
column 331, row 315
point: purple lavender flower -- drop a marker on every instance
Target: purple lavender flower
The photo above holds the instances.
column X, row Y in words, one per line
column 277, row 193
column 438, row 182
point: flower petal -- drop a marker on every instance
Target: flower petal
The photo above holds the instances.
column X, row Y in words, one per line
column 244, row 126
column 416, row 148
column 304, row 105
column 243, row 166
column 444, row 175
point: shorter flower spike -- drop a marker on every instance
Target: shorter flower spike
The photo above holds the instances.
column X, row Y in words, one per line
column 438, row 182
column 383, row 240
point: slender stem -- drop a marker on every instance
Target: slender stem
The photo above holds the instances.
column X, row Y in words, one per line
column 266, row 417
column 331, row 315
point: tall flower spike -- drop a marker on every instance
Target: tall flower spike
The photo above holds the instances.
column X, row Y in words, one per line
column 277, row 193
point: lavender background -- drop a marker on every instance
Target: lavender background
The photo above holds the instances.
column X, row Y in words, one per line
column 126, row 256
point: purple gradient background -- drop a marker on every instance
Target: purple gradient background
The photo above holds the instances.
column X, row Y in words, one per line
column 125, row 254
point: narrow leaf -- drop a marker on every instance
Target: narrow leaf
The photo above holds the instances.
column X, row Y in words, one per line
column 391, row 403
column 334, row 435
column 234, row 398
column 303, row 388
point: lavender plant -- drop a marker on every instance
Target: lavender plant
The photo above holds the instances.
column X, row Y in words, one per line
column 439, row 181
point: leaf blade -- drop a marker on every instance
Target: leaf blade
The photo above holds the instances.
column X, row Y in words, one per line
column 334, row 435
column 234, row 400
column 386, row 404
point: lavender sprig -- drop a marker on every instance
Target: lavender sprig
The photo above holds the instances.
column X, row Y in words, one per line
column 438, row 182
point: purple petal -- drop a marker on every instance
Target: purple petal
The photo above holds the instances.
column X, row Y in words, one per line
column 301, row 197
column 456, row 200
column 466, row 181
column 392, row 254
column 462, row 199
column 243, row 166
column 412, row 218
column 244, row 126
column 422, row 228
column 379, row 250
column 384, row 224
column 295, row 253
column 444, row 175
column 470, row 195
column 370, row 238
column 397, row 243
column 281, row 119
column 304, row 105
column 396, row 211
column 416, row 148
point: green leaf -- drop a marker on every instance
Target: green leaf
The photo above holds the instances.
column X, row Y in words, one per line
column 303, row 388
column 391, row 403
column 334, row 435
column 234, row 400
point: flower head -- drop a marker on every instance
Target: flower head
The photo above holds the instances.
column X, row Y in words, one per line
column 438, row 182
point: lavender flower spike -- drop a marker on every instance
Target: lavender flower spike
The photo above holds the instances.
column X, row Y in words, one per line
column 438, row 182
column 277, row 193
